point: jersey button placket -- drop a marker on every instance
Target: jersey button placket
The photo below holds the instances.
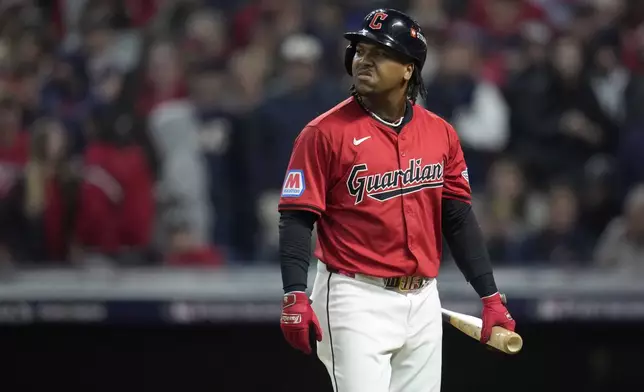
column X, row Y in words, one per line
column 402, row 146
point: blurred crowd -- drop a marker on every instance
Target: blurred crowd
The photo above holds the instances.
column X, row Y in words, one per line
column 157, row 132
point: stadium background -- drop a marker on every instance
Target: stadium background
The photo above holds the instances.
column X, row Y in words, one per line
column 143, row 143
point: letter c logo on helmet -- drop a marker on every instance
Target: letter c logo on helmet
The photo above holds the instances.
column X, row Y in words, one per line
column 376, row 21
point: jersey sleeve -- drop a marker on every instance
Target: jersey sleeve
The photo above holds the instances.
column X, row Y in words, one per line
column 456, row 183
column 307, row 176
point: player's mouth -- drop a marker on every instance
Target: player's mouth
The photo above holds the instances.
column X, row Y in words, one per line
column 364, row 74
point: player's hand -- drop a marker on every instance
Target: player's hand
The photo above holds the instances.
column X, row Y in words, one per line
column 297, row 319
column 495, row 314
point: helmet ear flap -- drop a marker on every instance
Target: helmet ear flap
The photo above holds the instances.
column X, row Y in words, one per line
column 348, row 58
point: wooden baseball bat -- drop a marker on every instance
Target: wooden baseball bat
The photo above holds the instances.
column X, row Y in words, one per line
column 501, row 339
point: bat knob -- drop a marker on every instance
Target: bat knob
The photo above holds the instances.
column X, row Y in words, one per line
column 504, row 299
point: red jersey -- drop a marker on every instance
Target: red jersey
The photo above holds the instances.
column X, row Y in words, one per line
column 377, row 192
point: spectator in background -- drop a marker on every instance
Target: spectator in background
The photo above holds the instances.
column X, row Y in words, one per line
column 99, row 52
column 65, row 95
column 609, row 78
column 557, row 116
column 282, row 17
column 249, row 68
column 14, row 155
column 562, row 242
column 609, row 13
column 31, row 49
column 327, row 20
column 503, row 18
column 183, row 203
column 599, row 202
column 499, row 24
column 27, row 90
column 430, row 14
column 116, row 206
column 583, row 24
column 50, row 194
column 622, row 244
column 298, row 94
column 504, row 217
column 528, row 83
column 164, row 77
column 434, row 18
column 226, row 143
column 206, row 37
column 474, row 106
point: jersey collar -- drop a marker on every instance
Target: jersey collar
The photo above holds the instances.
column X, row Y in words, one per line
column 398, row 125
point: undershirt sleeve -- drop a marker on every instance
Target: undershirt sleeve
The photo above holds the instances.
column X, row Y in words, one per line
column 465, row 239
column 295, row 232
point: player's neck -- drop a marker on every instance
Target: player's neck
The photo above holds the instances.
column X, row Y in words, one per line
column 389, row 108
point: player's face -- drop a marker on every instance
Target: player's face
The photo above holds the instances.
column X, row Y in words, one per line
column 377, row 69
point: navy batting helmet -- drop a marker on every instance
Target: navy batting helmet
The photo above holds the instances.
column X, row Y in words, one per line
column 391, row 28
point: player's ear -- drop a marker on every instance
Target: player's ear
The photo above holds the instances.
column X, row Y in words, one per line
column 409, row 71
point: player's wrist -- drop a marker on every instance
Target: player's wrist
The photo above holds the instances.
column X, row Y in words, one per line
column 294, row 292
column 484, row 285
column 492, row 298
column 294, row 297
column 296, row 288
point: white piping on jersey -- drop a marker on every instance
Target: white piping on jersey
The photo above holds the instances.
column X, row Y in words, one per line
column 391, row 124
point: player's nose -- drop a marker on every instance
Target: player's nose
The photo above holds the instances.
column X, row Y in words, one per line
column 364, row 62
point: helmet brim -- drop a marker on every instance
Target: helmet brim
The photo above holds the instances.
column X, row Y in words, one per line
column 384, row 40
column 366, row 35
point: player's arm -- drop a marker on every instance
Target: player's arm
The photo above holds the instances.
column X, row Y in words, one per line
column 295, row 232
column 466, row 242
column 302, row 201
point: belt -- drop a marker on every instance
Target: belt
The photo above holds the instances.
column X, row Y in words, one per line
column 400, row 283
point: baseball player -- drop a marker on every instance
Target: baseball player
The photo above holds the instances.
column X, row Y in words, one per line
column 385, row 180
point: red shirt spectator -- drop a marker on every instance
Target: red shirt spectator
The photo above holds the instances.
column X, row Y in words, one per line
column 116, row 199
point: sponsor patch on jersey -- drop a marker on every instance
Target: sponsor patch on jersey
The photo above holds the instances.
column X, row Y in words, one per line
column 293, row 184
column 466, row 176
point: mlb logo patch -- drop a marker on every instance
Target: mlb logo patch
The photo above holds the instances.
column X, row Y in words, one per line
column 465, row 175
column 293, row 184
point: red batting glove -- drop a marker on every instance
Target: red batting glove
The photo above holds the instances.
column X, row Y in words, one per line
column 495, row 314
column 297, row 318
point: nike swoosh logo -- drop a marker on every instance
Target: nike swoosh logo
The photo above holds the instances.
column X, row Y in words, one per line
column 358, row 141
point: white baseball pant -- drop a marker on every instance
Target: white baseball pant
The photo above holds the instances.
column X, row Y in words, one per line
column 376, row 339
